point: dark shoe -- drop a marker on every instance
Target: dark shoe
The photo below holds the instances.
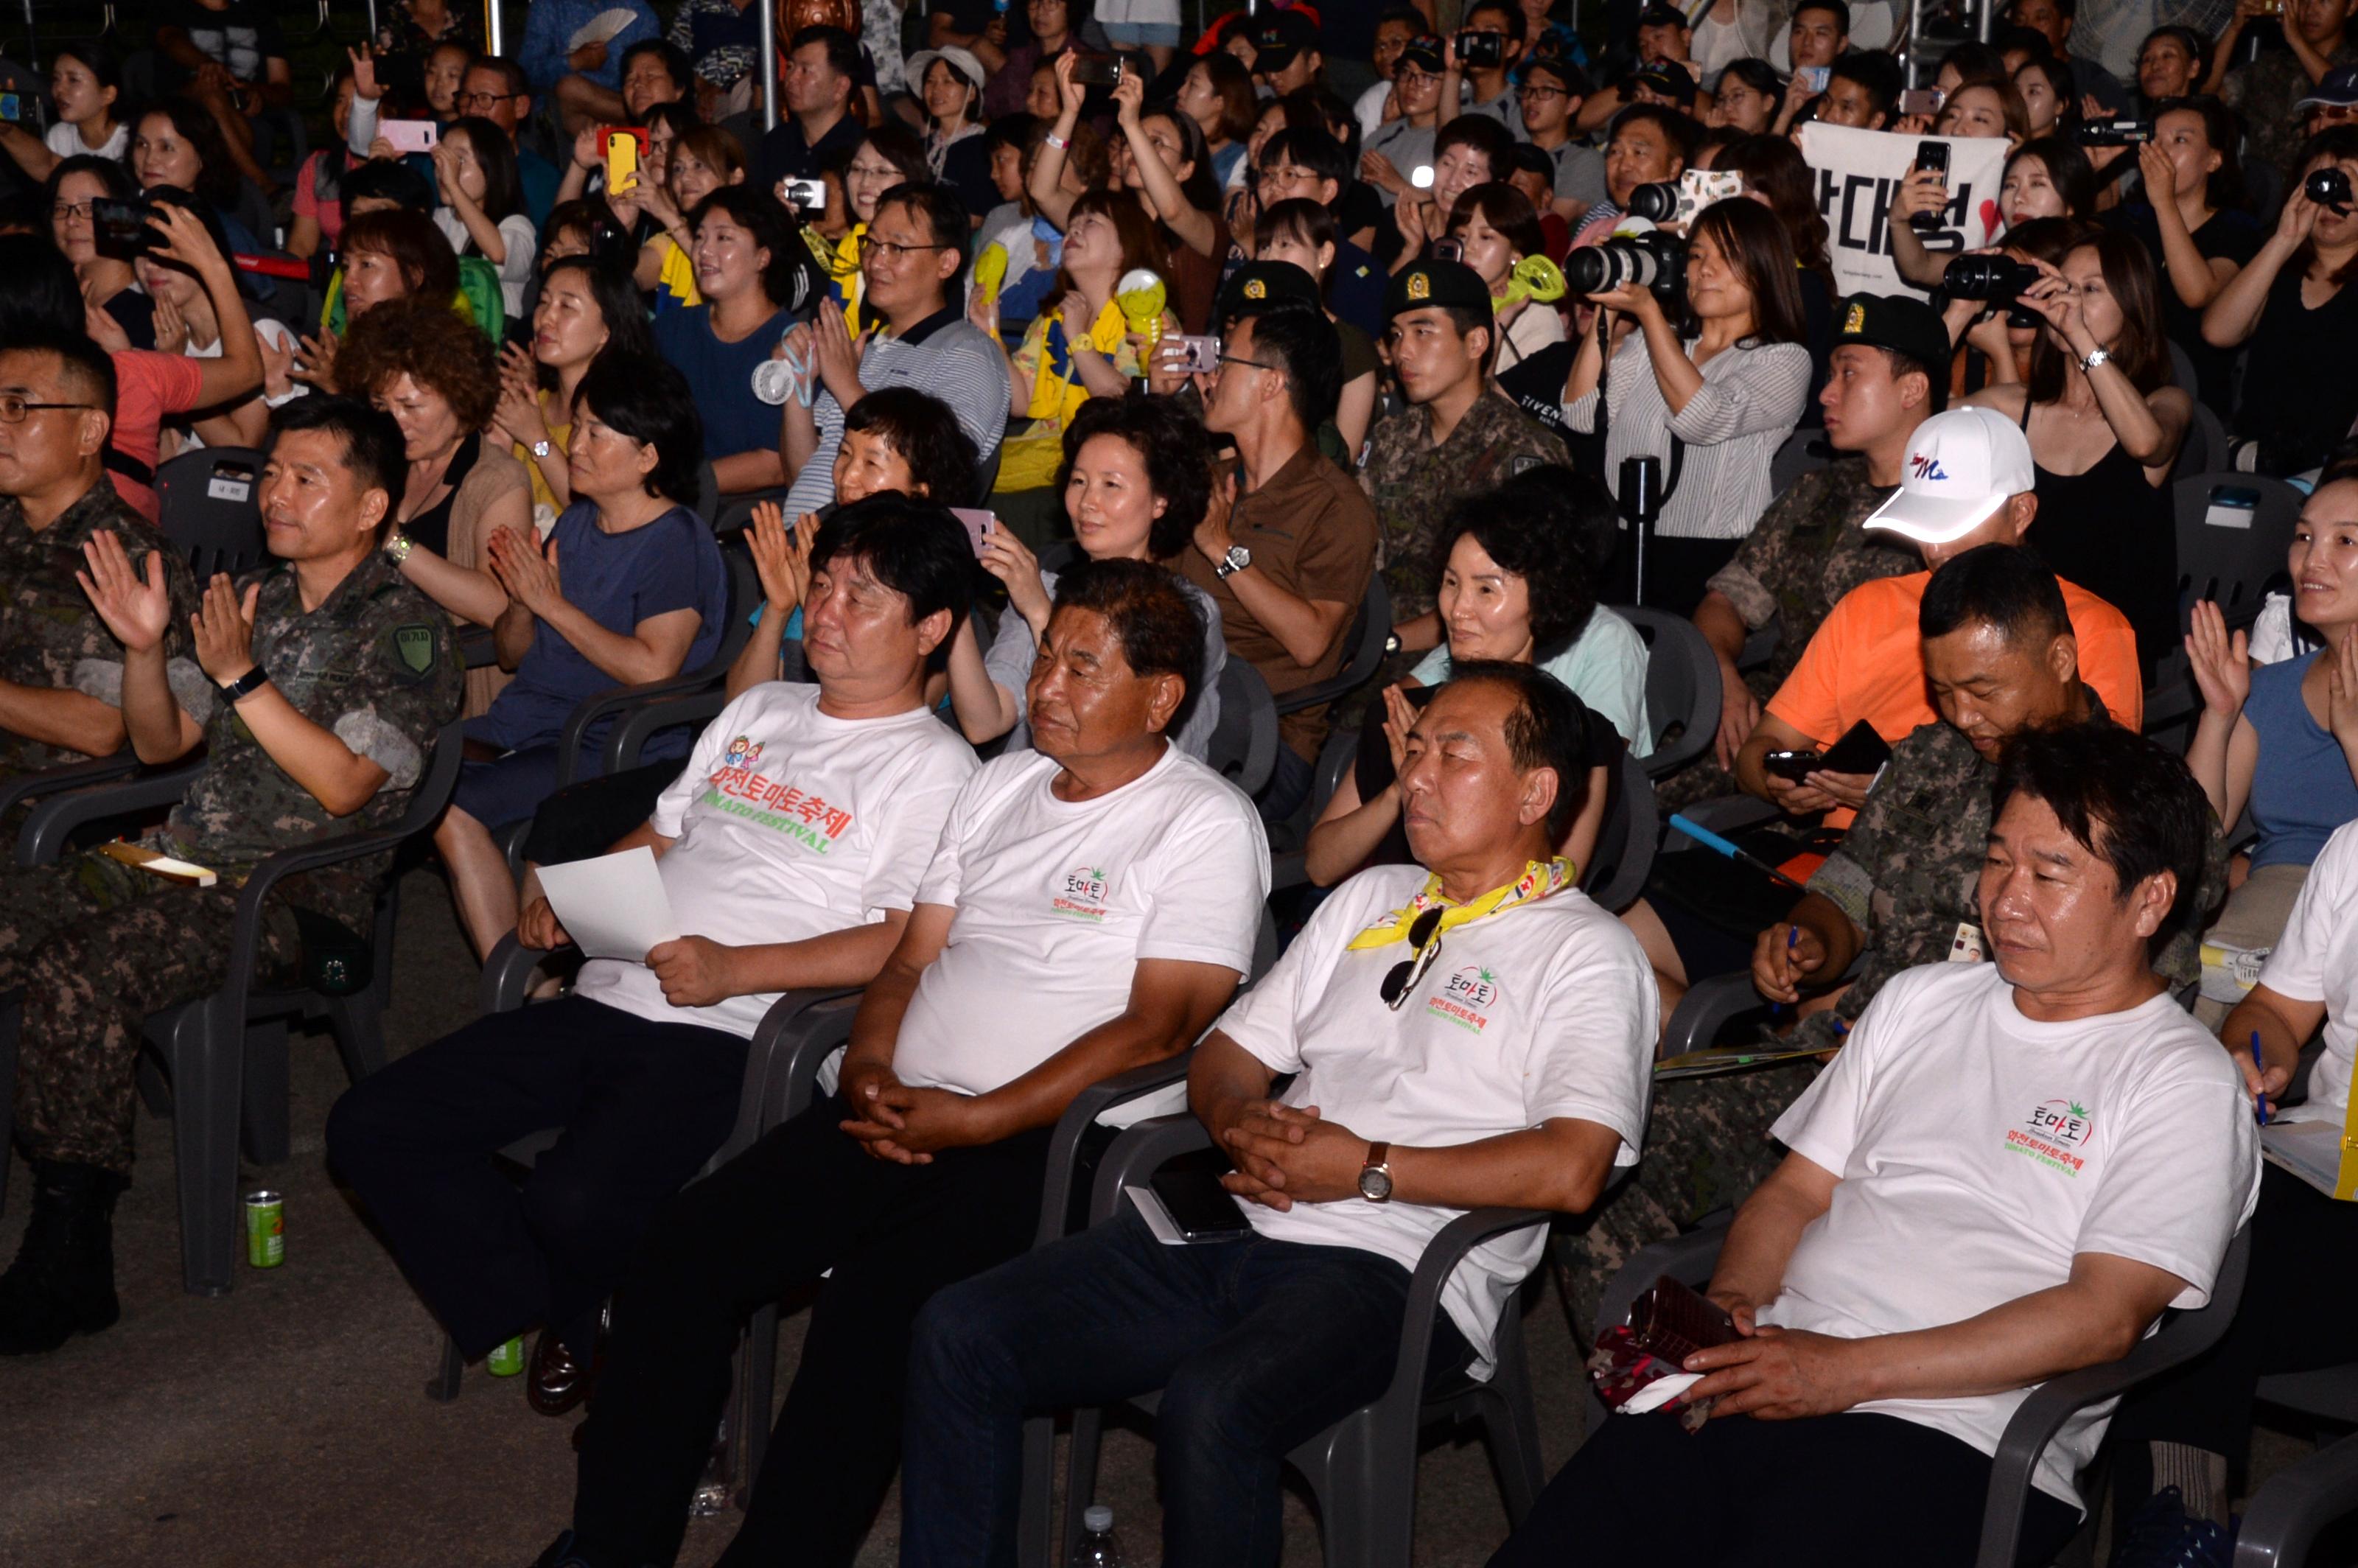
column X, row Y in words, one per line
column 62, row 1282
column 2159, row 1535
column 561, row 1553
column 556, row 1382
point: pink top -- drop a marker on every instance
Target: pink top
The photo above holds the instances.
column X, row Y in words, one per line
column 149, row 386
column 329, row 215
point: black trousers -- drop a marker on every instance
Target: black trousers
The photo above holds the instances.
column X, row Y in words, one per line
column 2293, row 1318
column 643, row 1106
column 1784, row 1494
column 805, row 1199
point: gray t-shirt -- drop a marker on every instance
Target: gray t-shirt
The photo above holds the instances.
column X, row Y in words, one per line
column 1008, row 661
column 1579, row 172
column 1408, row 147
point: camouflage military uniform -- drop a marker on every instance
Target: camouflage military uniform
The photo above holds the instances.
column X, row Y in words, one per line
column 49, row 635
column 96, row 946
column 1414, row 484
column 1805, row 553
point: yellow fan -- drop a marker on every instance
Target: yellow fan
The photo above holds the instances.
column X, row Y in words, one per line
column 1534, row 277
column 1142, row 295
column 990, row 270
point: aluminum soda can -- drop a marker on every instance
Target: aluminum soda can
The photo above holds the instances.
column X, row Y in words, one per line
column 266, row 1228
column 505, row 1360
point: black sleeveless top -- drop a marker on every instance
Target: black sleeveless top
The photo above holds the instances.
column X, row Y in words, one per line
column 431, row 527
column 2114, row 534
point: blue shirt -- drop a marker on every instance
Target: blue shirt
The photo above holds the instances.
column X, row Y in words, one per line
column 551, row 22
column 538, row 176
column 618, row 580
column 722, row 375
column 2301, row 787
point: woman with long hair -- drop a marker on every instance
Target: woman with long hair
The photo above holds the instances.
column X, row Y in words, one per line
column 701, row 160
column 2050, row 99
column 754, row 275
column 2104, row 425
column 1218, row 94
column 1495, row 228
column 1776, row 175
column 483, row 203
column 85, row 83
column 2192, row 223
column 178, row 142
column 1713, row 393
column 2048, row 177
column 585, row 309
column 108, row 283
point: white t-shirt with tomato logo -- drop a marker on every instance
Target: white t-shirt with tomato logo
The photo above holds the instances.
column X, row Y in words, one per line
column 790, row 825
column 1978, row 1152
column 1543, row 1011
column 1056, row 902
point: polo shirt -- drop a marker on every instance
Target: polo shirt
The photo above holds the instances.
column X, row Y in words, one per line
column 1312, row 533
column 787, row 155
column 945, row 355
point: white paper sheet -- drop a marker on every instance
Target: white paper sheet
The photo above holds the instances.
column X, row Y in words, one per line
column 613, row 906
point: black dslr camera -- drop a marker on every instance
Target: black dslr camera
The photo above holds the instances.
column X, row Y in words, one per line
column 2329, row 187
column 1653, row 260
column 2122, row 132
column 1994, row 280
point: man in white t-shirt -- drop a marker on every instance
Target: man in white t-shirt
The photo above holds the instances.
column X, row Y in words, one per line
column 790, row 849
column 2008, row 1172
column 1466, row 1032
column 1090, row 909
column 2188, row 1432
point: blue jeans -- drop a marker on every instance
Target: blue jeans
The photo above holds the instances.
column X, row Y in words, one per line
column 1258, row 1345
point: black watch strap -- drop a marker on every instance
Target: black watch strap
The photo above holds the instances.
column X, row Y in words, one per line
column 245, row 686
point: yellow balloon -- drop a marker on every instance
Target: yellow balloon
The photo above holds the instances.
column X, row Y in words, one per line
column 1140, row 296
column 990, row 269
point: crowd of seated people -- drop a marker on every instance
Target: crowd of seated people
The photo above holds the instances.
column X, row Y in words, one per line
column 1110, row 497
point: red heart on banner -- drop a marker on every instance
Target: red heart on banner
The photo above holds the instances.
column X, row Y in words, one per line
column 1989, row 218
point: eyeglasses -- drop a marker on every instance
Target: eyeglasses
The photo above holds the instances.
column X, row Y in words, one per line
column 14, row 408
column 1401, row 979
column 1227, row 360
column 1537, row 91
column 482, row 100
column 70, row 209
column 870, row 246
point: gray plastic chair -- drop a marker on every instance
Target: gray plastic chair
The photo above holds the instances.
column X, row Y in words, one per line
column 1615, row 873
column 1244, row 742
column 2284, row 1516
column 2231, row 567
column 1804, row 451
column 225, row 1057
column 1370, row 628
column 1683, row 693
column 2182, row 1335
column 1363, row 1468
column 209, row 503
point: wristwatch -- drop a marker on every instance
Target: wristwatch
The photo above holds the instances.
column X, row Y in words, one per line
column 1392, row 643
column 236, row 691
column 398, row 547
column 540, row 450
column 2095, row 357
column 1236, row 561
column 1376, row 1175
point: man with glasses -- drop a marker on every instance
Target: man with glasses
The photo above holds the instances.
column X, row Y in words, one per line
column 1554, row 89
column 585, row 82
column 60, row 668
column 1389, row 159
column 1466, row 1032
column 1090, row 909
column 911, row 260
column 328, row 679
column 1286, row 553
column 497, row 89
column 822, row 73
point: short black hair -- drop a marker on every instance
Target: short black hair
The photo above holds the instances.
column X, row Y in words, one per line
column 675, row 63
column 519, row 85
column 842, row 48
column 1840, row 11
column 1875, row 73
column 1308, row 148
column 791, row 280
column 2124, row 799
column 1548, row 728
column 1306, row 344
column 1178, row 455
column 1936, row 377
column 1517, row 28
column 87, row 366
column 1479, row 132
column 649, row 401
column 1583, row 508
column 1679, row 129
column 1524, row 157
column 913, row 547
column 382, row 180
column 1161, row 629
column 1008, row 131
column 1525, row 529
column 943, row 212
column 921, row 427
column 2005, row 586
column 43, row 296
column 374, row 448
column 2030, row 41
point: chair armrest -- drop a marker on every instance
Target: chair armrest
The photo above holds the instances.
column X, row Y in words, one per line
column 2181, row 1337
column 630, row 736
column 1707, row 1008
column 1064, row 1146
column 800, row 1032
column 1136, row 1155
column 53, row 821
column 589, row 710
column 2296, row 1502
column 477, row 647
column 16, row 791
column 1316, row 692
column 1433, row 1266
column 1723, row 815
column 507, row 974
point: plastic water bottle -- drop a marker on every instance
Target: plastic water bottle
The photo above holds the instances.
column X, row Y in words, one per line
column 1098, row 1546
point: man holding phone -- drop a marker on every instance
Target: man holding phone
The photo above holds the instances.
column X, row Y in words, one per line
column 822, row 72
column 1483, row 57
column 1463, row 1032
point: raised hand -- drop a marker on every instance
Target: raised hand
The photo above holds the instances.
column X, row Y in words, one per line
column 1399, row 718
column 1070, row 95
column 2222, row 664
column 185, row 239
column 136, row 610
column 781, row 559
column 364, row 82
column 1006, row 557
column 317, row 364
column 223, row 624
column 528, row 570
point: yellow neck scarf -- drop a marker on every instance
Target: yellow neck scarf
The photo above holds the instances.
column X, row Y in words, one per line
column 1540, row 879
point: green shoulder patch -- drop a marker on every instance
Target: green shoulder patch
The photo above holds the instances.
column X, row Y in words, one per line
column 414, row 643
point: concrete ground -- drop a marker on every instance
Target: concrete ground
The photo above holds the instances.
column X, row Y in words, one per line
column 285, row 1424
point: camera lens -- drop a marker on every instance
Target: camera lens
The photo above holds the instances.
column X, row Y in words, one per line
column 1986, row 277
column 2327, row 187
column 1657, row 203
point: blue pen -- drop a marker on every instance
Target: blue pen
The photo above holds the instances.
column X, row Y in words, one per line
column 2260, row 1095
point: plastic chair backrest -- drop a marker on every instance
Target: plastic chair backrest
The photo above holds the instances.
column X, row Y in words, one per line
column 1617, row 870
column 2232, row 532
column 1370, row 630
column 1244, row 740
column 209, row 506
column 986, row 479
column 744, row 592
column 2181, row 367
column 2205, row 448
column 707, row 494
column 1681, row 688
column 1804, row 451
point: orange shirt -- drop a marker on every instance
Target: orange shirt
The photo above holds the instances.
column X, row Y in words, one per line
column 1867, row 663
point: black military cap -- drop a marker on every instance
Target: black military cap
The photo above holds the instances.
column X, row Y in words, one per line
column 1443, row 282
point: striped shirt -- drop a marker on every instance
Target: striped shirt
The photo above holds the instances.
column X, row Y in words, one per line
column 945, row 356
column 1748, row 402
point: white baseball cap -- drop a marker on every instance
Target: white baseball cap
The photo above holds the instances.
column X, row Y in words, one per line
column 1962, row 466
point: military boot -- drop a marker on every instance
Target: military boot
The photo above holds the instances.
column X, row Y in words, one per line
column 62, row 1282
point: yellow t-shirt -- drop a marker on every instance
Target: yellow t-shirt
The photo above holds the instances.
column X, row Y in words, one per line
column 677, row 276
column 544, row 500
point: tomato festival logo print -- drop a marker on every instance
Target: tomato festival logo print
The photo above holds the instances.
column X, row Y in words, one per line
column 1463, row 996
column 2053, row 1133
column 1082, row 895
column 800, row 814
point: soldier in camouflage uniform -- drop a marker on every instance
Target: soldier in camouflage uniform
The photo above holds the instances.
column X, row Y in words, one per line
column 333, row 678
column 1809, row 549
column 1457, row 438
column 1903, row 891
column 60, row 669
